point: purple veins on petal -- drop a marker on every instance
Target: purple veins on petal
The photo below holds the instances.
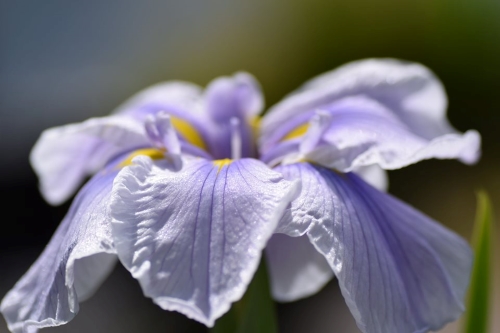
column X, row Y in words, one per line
column 193, row 238
column 398, row 270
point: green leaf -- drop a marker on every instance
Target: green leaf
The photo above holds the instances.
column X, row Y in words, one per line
column 478, row 305
column 255, row 312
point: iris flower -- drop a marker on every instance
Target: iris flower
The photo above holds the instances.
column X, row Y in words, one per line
column 190, row 186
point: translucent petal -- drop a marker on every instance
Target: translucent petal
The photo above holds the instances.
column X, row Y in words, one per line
column 296, row 268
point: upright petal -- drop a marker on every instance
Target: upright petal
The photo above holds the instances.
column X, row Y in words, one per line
column 78, row 258
column 398, row 270
column 232, row 98
column 238, row 96
column 64, row 156
column 296, row 268
column 193, row 238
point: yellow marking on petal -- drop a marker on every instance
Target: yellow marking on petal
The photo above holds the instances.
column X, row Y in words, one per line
column 296, row 132
column 153, row 153
column 222, row 163
column 255, row 123
column 188, row 132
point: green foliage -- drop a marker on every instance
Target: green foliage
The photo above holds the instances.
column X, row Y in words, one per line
column 478, row 306
column 255, row 312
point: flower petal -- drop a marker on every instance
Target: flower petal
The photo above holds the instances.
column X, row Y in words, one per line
column 64, row 156
column 374, row 175
column 193, row 238
column 237, row 98
column 296, row 268
column 364, row 132
column 78, row 258
column 409, row 91
column 398, row 270
column 175, row 97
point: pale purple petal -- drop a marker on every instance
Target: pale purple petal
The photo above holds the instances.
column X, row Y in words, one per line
column 409, row 93
column 364, row 132
column 398, row 270
column 411, row 90
column 78, row 258
column 296, row 268
column 64, row 156
column 209, row 113
column 374, row 175
column 238, row 96
column 175, row 97
column 232, row 98
column 193, row 238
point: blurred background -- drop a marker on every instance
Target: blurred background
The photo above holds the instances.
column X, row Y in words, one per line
column 63, row 62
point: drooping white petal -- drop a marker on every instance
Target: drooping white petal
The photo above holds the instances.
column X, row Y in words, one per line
column 78, row 258
column 296, row 268
column 64, row 156
column 398, row 270
column 193, row 238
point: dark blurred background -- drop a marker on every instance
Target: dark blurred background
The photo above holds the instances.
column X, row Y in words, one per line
column 63, row 62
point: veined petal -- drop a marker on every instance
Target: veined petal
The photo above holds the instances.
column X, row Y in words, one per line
column 64, row 156
column 78, row 258
column 398, row 270
column 364, row 132
column 296, row 268
column 410, row 92
column 193, row 238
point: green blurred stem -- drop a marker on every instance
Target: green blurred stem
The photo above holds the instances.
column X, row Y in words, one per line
column 478, row 305
column 255, row 312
